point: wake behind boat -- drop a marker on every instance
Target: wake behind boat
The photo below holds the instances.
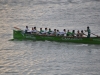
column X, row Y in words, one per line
column 20, row 35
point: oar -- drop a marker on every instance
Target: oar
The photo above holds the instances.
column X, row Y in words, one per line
column 17, row 28
column 85, row 34
column 92, row 33
column 95, row 34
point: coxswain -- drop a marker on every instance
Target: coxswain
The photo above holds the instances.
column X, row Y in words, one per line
column 89, row 32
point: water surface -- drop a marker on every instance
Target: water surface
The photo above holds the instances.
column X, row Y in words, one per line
column 48, row 58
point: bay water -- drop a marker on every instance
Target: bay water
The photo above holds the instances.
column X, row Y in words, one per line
column 48, row 58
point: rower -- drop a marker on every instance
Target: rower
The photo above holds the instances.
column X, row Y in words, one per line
column 50, row 31
column 54, row 32
column 41, row 31
column 34, row 30
column 57, row 33
column 46, row 31
column 69, row 33
column 78, row 34
column 82, row 33
column 73, row 33
column 27, row 30
column 63, row 33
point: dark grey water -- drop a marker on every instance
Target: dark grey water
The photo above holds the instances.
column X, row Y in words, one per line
column 48, row 58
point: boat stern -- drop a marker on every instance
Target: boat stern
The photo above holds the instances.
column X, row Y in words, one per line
column 18, row 34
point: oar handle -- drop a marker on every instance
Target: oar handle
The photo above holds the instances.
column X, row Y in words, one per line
column 17, row 28
column 95, row 34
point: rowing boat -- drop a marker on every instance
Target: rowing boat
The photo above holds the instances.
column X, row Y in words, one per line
column 20, row 35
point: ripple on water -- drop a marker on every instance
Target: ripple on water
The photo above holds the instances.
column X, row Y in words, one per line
column 48, row 58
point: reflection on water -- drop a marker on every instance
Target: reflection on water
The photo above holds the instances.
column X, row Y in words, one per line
column 29, row 58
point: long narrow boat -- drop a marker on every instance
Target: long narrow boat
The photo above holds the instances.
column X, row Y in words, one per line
column 19, row 35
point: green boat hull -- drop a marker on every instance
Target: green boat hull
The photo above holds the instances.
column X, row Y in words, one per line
column 19, row 35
